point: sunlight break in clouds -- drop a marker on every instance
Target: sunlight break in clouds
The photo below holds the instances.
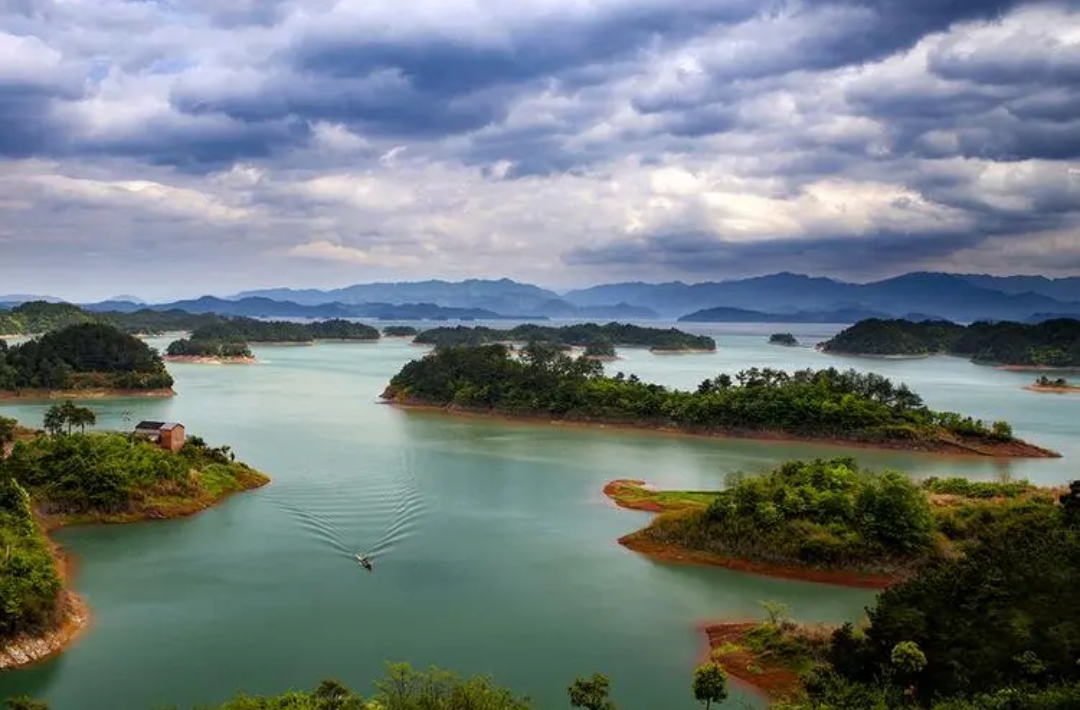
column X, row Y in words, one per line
column 192, row 146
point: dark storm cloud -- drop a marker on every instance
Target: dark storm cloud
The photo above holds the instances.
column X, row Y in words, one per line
column 701, row 254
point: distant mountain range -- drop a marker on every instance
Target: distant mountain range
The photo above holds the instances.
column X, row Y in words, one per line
column 782, row 297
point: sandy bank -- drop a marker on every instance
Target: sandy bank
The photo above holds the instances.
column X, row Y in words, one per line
column 669, row 553
column 40, row 394
column 686, row 351
column 746, row 667
column 874, row 356
column 950, row 446
column 210, row 360
column 1055, row 390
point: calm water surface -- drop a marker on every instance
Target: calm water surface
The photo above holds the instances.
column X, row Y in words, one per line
column 494, row 548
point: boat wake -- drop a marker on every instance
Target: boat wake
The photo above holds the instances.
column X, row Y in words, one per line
column 382, row 504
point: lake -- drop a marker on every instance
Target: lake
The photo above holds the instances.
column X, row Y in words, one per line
column 494, row 547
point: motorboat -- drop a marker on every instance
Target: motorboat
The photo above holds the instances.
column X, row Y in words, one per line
column 364, row 562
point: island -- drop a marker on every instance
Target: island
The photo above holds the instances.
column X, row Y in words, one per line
column 918, row 647
column 658, row 340
column 400, row 331
column 1058, row 385
column 1052, row 344
column 828, row 405
column 226, row 342
column 603, row 351
column 821, row 520
column 785, row 339
column 66, row 476
column 208, row 352
column 83, row 360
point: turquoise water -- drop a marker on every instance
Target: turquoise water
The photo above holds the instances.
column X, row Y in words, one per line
column 494, row 547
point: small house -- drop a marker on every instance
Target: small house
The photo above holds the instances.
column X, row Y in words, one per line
column 167, row 435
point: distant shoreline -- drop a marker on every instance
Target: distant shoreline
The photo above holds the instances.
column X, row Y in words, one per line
column 90, row 393
column 939, row 447
column 210, row 360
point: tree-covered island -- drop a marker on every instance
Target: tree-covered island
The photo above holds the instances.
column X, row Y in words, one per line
column 83, row 359
column 1050, row 344
column 1058, row 385
column 823, row 405
column 65, row 477
column 227, row 341
column 658, row 340
column 786, row 339
column 825, row 520
column 208, row 351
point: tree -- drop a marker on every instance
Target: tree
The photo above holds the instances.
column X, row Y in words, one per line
column 7, row 430
column 710, row 684
column 24, row 702
column 68, row 415
column 592, row 693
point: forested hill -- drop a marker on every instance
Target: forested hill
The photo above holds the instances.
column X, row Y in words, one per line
column 582, row 334
column 82, row 356
column 824, row 404
column 1052, row 343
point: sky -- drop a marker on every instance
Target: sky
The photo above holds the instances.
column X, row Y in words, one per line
column 172, row 148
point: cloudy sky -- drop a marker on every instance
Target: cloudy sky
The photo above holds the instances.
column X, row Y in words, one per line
column 175, row 147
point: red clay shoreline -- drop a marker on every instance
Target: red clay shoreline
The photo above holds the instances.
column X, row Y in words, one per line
column 1013, row 449
column 742, row 665
column 210, row 360
column 89, row 393
column 1053, row 390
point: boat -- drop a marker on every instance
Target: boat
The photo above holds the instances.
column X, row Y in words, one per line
column 364, row 562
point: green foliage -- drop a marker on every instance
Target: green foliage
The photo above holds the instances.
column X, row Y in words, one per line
column 602, row 349
column 41, row 317
column 876, row 336
column 822, row 403
column 208, row 348
column 1057, row 382
column 29, row 583
column 582, row 334
column 783, row 339
column 977, row 489
column 60, row 417
column 1052, row 343
column 23, row 702
column 821, row 513
column 340, row 329
column 591, row 693
column 110, row 473
column 8, row 427
column 710, row 684
column 86, row 355
column 907, row 658
column 400, row 331
column 995, row 617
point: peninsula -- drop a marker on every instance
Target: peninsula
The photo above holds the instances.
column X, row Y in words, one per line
column 822, row 521
column 660, row 340
column 65, row 477
column 827, row 405
column 84, row 360
column 1051, row 344
column 918, row 647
